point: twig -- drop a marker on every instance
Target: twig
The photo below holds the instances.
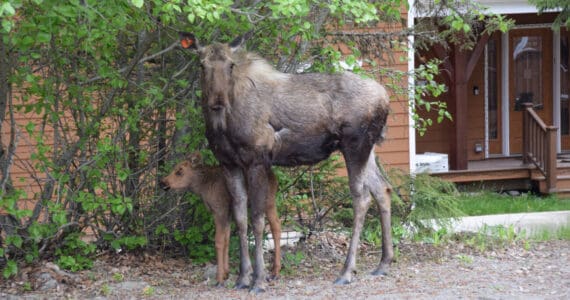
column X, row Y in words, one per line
column 142, row 60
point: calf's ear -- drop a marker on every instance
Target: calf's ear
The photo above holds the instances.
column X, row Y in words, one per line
column 188, row 41
column 195, row 158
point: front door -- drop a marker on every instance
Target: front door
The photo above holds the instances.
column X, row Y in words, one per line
column 530, row 79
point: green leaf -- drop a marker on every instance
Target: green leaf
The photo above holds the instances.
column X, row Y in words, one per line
column 7, row 9
column 43, row 37
column 15, row 240
column 59, row 218
column 7, row 25
column 123, row 175
column 11, row 269
column 138, row 3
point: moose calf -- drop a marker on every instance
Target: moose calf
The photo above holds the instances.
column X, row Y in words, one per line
column 208, row 182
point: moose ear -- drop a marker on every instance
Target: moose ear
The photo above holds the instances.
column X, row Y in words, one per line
column 238, row 42
column 188, row 41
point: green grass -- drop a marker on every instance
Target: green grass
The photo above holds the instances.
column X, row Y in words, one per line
column 489, row 203
column 563, row 233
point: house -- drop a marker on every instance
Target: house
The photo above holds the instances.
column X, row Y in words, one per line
column 489, row 87
column 510, row 101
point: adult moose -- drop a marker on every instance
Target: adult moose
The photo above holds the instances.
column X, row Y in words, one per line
column 257, row 116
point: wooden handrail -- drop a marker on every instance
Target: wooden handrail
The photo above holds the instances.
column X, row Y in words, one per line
column 539, row 145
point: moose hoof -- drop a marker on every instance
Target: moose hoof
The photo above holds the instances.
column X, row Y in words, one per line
column 242, row 286
column 380, row 272
column 341, row 281
column 271, row 278
column 220, row 284
column 257, row 290
column 243, row 282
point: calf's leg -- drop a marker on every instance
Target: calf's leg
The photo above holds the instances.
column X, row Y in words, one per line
column 236, row 185
column 222, row 225
column 275, row 225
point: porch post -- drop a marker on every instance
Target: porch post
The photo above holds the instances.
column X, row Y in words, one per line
column 459, row 159
column 551, row 168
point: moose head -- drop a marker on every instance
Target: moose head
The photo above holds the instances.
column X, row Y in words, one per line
column 219, row 63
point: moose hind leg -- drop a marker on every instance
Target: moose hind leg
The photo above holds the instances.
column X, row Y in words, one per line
column 381, row 190
column 361, row 203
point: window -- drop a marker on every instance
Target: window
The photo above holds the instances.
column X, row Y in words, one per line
column 527, row 58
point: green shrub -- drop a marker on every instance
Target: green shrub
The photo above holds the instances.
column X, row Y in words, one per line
column 312, row 197
column 422, row 197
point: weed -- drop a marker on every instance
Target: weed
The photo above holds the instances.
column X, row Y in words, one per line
column 292, row 260
column 435, row 237
column 478, row 241
column 465, row 259
column 372, row 233
column 562, row 233
column 148, row 291
column 27, row 286
column 118, row 277
column 105, row 290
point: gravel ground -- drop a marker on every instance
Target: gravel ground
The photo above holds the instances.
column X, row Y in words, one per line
column 537, row 270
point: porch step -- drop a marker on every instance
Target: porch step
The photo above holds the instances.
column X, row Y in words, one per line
column 483, row 175
column 508, row 174
column 562, row 184
column 563, row 193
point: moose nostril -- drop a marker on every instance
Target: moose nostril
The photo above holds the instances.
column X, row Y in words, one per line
column 216, row 107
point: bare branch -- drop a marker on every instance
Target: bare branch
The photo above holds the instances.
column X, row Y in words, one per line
column 142, row 60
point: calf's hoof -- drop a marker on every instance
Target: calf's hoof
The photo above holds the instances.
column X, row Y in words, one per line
column 272, row 278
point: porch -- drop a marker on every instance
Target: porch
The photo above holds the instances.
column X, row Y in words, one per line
column 540, row 168
column 510, row 173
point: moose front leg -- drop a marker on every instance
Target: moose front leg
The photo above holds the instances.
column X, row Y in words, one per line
column 235, row 182
column 257, row 179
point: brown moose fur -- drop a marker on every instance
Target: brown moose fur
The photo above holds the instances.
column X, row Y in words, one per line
column 256, row 117
column 208, row 182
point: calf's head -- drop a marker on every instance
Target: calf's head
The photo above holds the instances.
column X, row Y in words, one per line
column 183, row 173
column 218, row 62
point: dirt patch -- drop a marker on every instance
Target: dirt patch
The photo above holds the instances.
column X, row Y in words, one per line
column 425, row 271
